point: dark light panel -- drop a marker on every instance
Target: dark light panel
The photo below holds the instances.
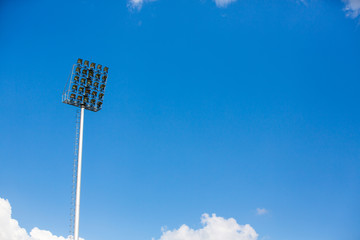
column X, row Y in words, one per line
column 86, row 87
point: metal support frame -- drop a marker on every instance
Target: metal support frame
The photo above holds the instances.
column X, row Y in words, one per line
column 78, row 182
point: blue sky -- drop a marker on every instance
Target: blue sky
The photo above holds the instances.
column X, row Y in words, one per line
column 246, row 109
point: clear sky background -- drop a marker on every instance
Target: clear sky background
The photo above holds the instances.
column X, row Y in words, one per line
column 249, row 110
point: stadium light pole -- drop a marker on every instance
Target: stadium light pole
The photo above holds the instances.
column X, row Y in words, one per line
column 78, row 181
column 85, row 89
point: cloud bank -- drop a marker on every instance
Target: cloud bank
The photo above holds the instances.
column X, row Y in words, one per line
column 10, row 229
column 214, row 228
column 352, row 8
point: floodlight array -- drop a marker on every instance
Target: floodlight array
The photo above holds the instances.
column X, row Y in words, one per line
column 86, row 87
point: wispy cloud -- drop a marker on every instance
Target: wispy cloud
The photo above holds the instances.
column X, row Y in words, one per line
column 137, row 4
column 10, row 229
column 214, row 228
column 352, row 8
column 261, row 211
column 223, row 3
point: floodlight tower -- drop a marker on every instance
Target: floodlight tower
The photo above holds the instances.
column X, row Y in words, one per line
column 85, row 89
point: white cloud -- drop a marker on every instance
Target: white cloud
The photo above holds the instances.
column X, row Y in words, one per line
column 223, row 3
column 37, row 234
column 352, row 8
column 10, row 229
column 261, row 211
column 137, row 4
column 214, row 228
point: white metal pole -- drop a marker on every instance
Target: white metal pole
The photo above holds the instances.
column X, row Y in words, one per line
column 78, row 182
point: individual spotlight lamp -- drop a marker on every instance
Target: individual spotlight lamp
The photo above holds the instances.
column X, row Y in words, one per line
column 85, row 89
